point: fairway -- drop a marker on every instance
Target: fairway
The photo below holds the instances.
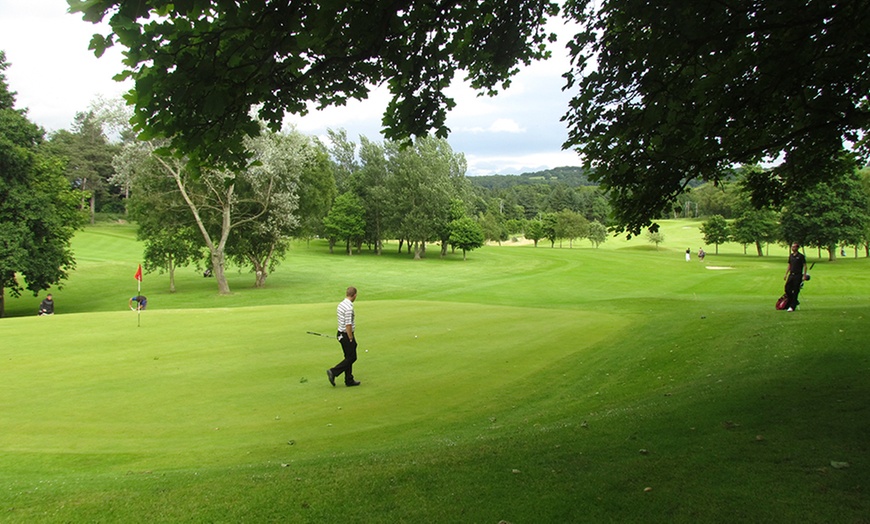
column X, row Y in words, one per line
column 619, row 384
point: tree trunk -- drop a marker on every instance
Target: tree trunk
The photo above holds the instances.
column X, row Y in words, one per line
column 260, row 271
column 217, row 268
column 218, row 258
column 758, row 248
column 171, row 275
column 2, row 302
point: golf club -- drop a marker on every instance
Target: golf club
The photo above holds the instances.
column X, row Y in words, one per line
column 319, row 334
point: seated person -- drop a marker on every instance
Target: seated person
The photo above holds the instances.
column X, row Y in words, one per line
column 46, row 307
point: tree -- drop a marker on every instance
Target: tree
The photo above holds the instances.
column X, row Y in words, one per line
column 219, row 200
column 570, row 225
column 466, row 234
column 370, row 182
column 267, row 198
column 596, row 233
column 755, row 226
column 168, row 248
column 88, row 155
column 715, row 231
column 493, row 227
column 535, row 230
column 827, row 213
column 343, row 153
column 38, row 209
column 551, row 229
column 864, row 174
column 165, row 225
column 425, row 179
column 316, row 191
column 346, row 220
column 673, row 91
column 200, row 66
column 655, row 237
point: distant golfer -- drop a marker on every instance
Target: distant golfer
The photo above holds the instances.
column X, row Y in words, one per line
column 138, row 303
column 46, row 307
column 347, row 339
column 794, row 276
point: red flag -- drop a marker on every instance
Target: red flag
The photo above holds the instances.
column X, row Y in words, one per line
column 138, row 275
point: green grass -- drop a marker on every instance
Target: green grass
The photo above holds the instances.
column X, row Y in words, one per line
column 618, row 384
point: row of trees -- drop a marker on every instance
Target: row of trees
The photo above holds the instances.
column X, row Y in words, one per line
column 414, row 193
column 827, row 215
column 293, row 186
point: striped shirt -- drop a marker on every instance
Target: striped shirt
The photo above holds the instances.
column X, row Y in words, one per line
column 345, row 315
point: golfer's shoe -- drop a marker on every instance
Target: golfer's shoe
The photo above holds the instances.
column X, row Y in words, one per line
column 331, row 377
column 354, row 383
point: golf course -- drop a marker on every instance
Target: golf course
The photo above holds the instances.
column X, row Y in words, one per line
column 522, row 385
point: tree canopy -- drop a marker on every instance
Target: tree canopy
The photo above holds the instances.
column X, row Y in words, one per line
column 38, row 210
column 201, row 66
column 672, row 91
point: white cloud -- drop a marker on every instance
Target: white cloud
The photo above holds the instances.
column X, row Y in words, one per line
column 500, row 125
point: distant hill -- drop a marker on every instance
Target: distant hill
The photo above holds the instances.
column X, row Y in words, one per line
column 568, row 175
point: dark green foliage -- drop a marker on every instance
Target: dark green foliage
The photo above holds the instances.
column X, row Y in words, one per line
column 316, row 191
column 570, row 176
column 716, row 231
column 200, row 66
column 346, row 220
column 88, row 155
column 38, row 210
column 683, row 90
column 466, row 234
column 756, row 226
column 827, row 214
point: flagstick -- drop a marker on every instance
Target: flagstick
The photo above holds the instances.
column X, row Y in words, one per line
column 138, row 304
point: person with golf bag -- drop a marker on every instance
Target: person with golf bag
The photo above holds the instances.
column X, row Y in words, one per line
column 794, row 276
column 347, row 339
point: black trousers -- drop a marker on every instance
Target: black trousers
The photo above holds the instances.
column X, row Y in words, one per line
column 792, row 289
column 348, row 347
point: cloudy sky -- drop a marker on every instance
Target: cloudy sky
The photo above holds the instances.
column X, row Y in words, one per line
column 56, row 76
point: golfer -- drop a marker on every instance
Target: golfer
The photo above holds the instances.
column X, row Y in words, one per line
column 794, row 276
column 347, row 339
column 139, row 302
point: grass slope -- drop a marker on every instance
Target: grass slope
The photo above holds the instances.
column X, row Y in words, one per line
column 525, row 384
